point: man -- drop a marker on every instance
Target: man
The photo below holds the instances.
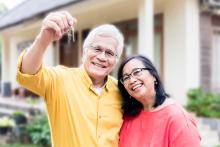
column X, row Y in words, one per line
column 83, row 104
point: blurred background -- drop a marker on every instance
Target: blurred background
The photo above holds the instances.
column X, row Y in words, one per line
column 181, row 37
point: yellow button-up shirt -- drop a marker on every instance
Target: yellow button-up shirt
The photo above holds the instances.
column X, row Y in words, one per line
column 78, row 116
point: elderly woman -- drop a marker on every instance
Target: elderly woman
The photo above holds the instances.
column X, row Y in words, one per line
column 151, row 118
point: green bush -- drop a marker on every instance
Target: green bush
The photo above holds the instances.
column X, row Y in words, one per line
column 203, row 103
column 18, row 113
column 39, row 131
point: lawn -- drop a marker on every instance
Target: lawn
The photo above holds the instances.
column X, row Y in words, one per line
column 19, row 145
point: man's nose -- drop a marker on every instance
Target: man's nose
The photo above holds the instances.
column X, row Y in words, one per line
column 102, row 55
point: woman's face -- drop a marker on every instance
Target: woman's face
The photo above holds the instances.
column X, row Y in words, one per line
column 138, row 81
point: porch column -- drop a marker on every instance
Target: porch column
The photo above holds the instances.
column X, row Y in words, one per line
column 181, row 46
column 192, row 44
column 5, row 84
column 80, row 49
column 146, row 29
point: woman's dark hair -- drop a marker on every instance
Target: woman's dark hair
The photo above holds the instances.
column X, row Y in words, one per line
column 131, row 106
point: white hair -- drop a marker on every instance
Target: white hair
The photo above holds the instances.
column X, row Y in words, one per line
column 106, row 29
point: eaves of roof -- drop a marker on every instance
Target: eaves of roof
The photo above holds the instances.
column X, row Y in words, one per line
column 30, row 9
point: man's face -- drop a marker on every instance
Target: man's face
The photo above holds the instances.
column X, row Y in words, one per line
column 100, row 57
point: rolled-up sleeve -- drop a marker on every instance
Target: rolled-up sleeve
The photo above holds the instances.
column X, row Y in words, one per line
column 38, row 83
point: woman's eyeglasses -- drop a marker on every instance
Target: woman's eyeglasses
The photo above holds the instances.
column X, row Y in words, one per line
column 135, row 74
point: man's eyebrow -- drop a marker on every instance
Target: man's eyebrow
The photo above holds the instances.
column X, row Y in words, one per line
column 97, row 45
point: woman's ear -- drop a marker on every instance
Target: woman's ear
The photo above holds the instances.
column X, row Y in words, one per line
column 155, row 81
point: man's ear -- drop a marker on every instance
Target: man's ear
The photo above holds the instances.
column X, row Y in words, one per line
column 84, row 56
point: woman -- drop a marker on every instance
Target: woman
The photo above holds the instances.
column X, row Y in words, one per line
column 151, row 119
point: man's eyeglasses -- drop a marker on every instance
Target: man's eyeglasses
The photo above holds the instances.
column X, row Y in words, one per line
column 135, row 74
column 97, row 50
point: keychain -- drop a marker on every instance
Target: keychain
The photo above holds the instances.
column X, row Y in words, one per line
column 70, row 35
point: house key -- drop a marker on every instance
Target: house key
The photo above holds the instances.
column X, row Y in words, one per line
column 70, row 35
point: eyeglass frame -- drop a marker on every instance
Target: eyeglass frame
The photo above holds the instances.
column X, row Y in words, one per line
column 132, row 74
column 97, row 50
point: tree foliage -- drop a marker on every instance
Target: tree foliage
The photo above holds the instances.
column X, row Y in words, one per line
column 3, row 9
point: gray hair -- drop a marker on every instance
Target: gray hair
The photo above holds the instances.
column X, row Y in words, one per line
column 106, row 29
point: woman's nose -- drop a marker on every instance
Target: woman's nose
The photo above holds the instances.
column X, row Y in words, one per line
column 132, row 79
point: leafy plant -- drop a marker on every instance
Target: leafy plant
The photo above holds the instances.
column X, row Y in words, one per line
column 5, row 125
column 6, row 122
column 203, row 103
column 32, row 100
column 18, row 113
column 19, row 117
column 39, row 131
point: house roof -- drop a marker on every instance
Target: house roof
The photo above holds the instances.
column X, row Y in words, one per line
column 31, row 8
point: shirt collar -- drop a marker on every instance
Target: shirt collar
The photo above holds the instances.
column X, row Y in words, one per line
column 87, row 80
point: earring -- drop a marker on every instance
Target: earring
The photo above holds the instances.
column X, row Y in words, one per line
column 155, row 82
column 130, row 97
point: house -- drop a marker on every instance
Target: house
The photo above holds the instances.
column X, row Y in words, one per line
column 181, row 37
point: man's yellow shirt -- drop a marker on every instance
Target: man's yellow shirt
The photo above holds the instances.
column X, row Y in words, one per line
column 78, row 116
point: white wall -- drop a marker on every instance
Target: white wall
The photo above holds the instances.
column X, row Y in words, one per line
column 12, row 57
column 49, row 56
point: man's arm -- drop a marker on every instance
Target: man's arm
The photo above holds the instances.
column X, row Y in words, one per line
column 53, row 28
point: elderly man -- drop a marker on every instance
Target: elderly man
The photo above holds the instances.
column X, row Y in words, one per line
column 83, row 104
